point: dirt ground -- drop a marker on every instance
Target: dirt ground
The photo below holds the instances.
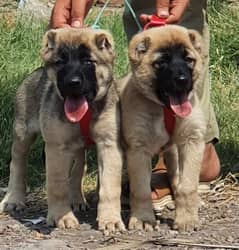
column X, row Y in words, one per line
column 219, row 226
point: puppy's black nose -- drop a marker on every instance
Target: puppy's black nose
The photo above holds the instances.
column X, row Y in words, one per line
column 181, row 79
column 75, row 81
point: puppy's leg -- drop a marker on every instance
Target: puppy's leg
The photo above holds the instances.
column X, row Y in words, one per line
column 59, row 161
column 110, row 166
column 186, row 198
column 77, row 197
column 171, row 161
column 139, row 169
column 14, row 200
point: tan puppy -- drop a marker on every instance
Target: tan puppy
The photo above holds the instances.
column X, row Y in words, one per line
column 166, row 63
column 77, row 77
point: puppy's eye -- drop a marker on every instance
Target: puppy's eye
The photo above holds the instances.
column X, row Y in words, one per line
column 190, row 61
column 159, row 64
column 88, row 62
column 62, row 59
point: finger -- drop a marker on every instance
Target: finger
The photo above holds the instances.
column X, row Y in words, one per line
column 60, row 16
column 162, row 8
column 145, row 18
column 79, row 10
column 177, row 10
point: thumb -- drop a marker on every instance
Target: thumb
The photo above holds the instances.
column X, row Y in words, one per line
column 162, row 8
column 79, row 10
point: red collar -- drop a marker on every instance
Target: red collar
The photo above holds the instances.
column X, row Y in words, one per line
column 85, row 127
column 169, row 120
column 155, row 21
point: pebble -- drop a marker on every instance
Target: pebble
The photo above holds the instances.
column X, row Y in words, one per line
column 2, row 229
column 13, row 226
column 230, row 239
column 172, row 232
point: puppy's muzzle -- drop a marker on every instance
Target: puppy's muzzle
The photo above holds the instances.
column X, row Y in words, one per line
column 73, row 86
column 75, row 81
column 182, row 79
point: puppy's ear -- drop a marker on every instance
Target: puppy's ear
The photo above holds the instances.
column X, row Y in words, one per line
column 138, row 48
column 196, row 40
column 49, row 43
column 104, row 41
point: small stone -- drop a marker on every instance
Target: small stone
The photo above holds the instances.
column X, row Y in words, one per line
column 2, row 230
column 36, row 235
column 230, row 239
column 13, row 227
column 172, row 232
column 91, row 237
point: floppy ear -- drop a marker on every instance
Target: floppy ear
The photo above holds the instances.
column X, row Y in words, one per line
column 104, row 41
column 137, row 48
column 49, row 43
column 196, row 40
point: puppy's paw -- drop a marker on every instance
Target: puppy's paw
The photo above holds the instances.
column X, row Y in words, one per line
column 110, row 224
column 146, row 222
column 65, row 221
column 13, row 203
column 186, row 223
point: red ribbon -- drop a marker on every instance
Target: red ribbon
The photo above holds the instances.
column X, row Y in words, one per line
column 169, row 120
column 155, row 21
column 85, row 127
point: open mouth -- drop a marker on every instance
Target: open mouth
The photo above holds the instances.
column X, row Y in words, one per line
column 180, row 105
column 75, row 108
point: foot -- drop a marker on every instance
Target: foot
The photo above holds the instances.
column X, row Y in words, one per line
column 185, row 222
column 110, row 223
column 143, row 221
column 62, row 219
column 13, row 202
column 109, row 217
column 142, row 216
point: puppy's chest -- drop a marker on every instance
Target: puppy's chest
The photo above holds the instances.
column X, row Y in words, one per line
column 160, row 136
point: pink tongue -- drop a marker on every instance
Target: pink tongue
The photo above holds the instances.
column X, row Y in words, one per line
column 181, row 108
column 75, row 108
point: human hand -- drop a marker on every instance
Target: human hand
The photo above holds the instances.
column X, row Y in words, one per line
column 69, row 13
column 172, row 10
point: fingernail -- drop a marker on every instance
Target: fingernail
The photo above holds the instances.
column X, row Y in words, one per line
column 76, row 24
column 163, row 14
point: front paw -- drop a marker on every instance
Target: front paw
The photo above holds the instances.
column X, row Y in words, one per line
column 110, row 223
column 13, row 202
column 186, row 224
column 143, row 221
column 186, row 214
column 62, row 220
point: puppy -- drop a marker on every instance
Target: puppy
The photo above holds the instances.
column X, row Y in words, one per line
column 76, row 81
column 166, row 66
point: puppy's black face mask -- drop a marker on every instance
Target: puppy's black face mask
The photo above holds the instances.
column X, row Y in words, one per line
column 76, row 76
column 173, row 75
